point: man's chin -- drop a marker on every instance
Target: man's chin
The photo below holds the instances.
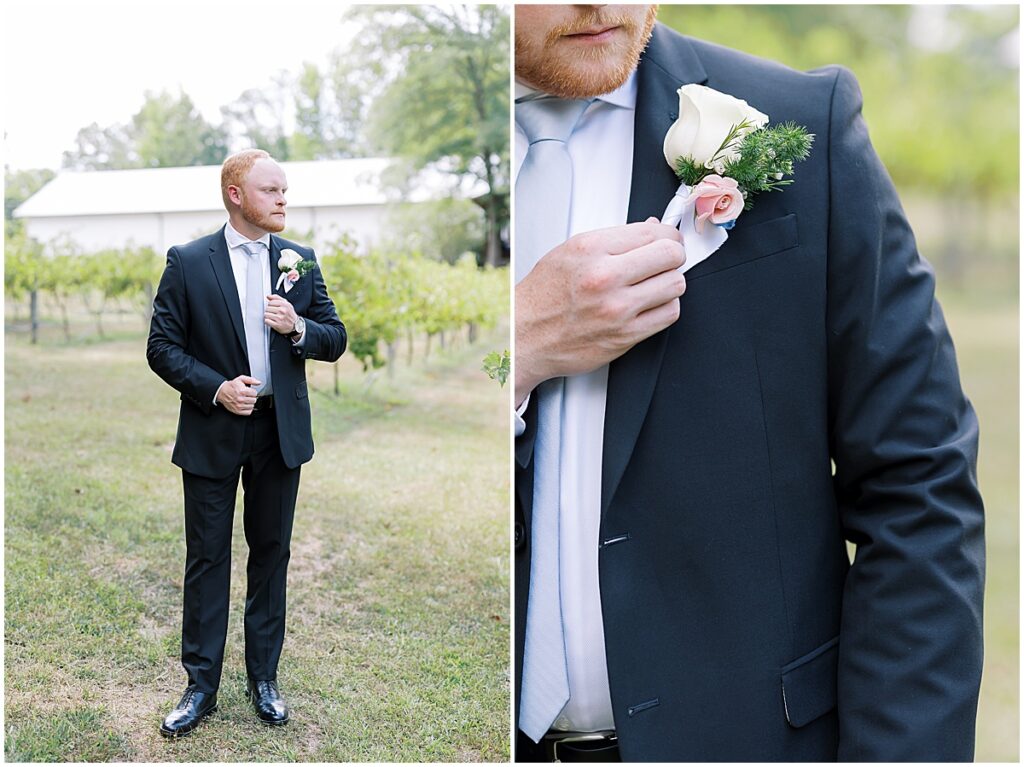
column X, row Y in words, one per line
column 582, row 82
column 271, row 224
column 573, row 76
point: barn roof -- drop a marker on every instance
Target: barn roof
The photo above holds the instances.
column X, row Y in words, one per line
column 314, row 184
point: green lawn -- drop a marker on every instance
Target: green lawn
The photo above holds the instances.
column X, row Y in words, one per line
column 398, row 616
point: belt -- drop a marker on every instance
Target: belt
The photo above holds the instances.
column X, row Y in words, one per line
column 600, row 746
column 264, row 403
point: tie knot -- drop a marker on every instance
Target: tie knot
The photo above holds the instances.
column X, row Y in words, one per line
column 252, row 248
column 550, row 119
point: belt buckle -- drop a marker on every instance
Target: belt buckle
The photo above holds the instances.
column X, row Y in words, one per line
column 581, row 738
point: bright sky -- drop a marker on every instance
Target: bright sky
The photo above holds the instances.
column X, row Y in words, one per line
column 68, row 64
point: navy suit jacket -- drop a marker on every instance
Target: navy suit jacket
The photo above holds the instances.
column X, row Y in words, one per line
column 736, row 627
column 197, row 341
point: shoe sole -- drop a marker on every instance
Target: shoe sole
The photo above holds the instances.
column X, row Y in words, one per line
column 182, row 733
column 266, row 723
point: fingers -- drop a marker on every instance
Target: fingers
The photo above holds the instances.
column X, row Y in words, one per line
column 622, row 239
column 658, row 290
column 249, row 380
column 649, row 260
column 657, row 318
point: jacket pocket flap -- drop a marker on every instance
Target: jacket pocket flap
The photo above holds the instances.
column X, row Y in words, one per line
column 809, row 684
column 746, row 244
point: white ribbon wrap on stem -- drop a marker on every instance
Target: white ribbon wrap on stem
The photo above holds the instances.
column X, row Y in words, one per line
column 697, row 246
column 287, row 285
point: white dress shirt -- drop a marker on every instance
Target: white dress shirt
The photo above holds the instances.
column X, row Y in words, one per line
column 240, row 260
column 601, row 148
column 239, row 265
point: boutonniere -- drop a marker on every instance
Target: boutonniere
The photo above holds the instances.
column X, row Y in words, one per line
column 292, row 267
column 723, row 153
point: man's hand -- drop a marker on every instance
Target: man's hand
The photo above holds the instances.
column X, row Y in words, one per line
column 237, row 396
column 593, row 298
column 280, row 315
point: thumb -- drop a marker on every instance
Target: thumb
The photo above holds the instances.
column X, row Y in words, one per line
column 249, row 380
column 653, row 220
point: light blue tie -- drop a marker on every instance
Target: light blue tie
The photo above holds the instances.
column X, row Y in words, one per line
column 256, row 332
column 543, row 200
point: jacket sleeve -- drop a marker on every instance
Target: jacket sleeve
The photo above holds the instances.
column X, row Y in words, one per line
column 904, row 440
column 168, row 340
column 326, row 338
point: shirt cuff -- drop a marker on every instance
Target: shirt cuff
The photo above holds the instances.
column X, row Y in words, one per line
column 520, row 423
column 217, row 393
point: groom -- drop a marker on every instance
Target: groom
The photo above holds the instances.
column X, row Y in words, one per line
column 690, row 467
column 231, row 332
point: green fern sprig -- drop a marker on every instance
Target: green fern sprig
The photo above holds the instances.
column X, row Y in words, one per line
column 766, row 156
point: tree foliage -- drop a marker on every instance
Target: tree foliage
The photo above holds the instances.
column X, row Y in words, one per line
column 380, row 295
column 167, row 131
column 19, row 186
column 258, row 116
column 442, row 230
column 445, row 101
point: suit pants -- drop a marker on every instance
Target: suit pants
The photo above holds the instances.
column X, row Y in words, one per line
column 270, row 489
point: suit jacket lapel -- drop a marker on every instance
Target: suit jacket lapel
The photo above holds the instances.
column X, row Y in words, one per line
column 221, row 262
column 665, row 66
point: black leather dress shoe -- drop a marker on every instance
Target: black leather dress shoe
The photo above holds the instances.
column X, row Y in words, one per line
column 189, row 712
column 266, row 699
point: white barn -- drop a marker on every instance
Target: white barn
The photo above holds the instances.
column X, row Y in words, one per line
column 161, row 207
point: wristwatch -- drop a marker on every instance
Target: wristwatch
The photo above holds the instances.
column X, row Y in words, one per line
column 298, row 330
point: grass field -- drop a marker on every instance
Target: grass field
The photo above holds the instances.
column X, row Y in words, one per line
column 398, row 616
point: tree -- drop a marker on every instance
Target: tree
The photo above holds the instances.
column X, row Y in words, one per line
column 310, row 140
column 442, row 230
column 99, row 148
column 258, row 117
column 446, row 103
column 167, row 131
column 19, row 185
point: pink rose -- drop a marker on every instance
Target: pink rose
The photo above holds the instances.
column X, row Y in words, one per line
column 718, row 199
column 293, row 275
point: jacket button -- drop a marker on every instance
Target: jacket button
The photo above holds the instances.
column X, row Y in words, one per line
column 520, row 535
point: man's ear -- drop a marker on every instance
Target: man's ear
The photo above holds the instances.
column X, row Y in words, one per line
column 235, row 194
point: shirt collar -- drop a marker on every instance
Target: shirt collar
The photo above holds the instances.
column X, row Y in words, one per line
column 623, row 96
column 234, row 239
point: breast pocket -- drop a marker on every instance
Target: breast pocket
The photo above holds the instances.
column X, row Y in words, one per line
column 750, row 243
